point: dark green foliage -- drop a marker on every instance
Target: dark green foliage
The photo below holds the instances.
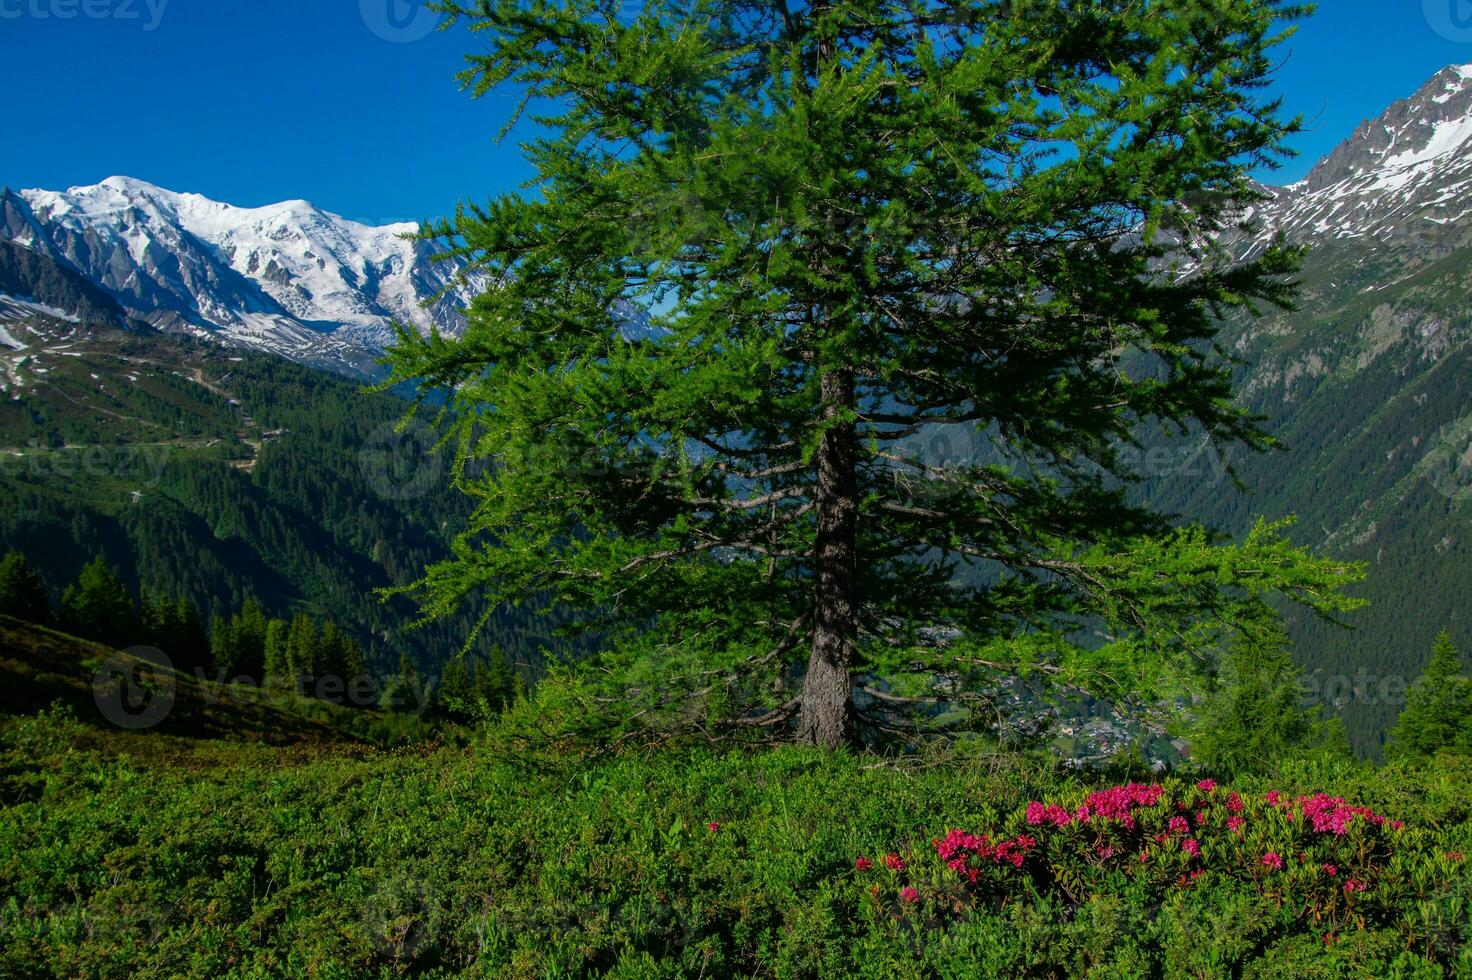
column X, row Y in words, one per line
column 495, row 684
column 97, row 606
column 22, row 593
column 173, row 625
column 206, row 719
column 473, row 690
column 454, row 693
column 1438, row 711
column 279, row 498
column 850, row 228
column 1260, row 716
column 404, row 692
column 337, row 655
column 303, row 648
column 278, row 635
column 1374, row 418
column 239, row 643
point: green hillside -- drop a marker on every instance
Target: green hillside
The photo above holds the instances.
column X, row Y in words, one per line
column 1369, row 389
column 129, row 703
column 219, row 474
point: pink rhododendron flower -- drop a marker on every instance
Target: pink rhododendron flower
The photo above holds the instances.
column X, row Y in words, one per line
column 1234, row 803
column 713, row 826
column 893, row 862
column 1116, row 802
column 909, row 894
column 1206, row 785
column 1331, row 870
column 1191, row 847
column 1354, row 885
column 1178, row 825
column 1272, row 859
column 863, row 863
column 1235, row 823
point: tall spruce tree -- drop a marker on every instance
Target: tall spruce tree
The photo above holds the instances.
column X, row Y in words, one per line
column 97, row 606
column 22, row 593
column 1438, row 711
column 773, row 250
column 1260, row 715
column 303, row 649
column 277, row 663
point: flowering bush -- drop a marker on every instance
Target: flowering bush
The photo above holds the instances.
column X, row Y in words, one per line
column 1317, row 855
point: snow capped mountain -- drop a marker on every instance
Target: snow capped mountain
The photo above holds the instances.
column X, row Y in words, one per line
column 1400, row 173
column 301, row 282
column 289, row 278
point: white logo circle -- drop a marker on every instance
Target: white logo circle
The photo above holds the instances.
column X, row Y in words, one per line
column 1452, row 19
column 135, row 689
column 399, row 21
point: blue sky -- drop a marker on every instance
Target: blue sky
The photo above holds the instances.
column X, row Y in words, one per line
column 353, row 104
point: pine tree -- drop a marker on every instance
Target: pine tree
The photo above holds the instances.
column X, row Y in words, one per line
column 1259, row 715
column 192, row 642
column 99, row 607
column 224, row 646
column 495, row 687
column 1438, row 711
column 277, row 662
column 776, row 256
column 250, row 629
column 455, row 694
column 22, row 593
column 339, row 655
column 404, row 692
column 302, row 649
column 156, row 619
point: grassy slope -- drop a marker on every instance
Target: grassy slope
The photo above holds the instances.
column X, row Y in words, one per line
column 169, row 854
column 207, row 723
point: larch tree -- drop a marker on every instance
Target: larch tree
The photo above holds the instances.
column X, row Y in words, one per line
column 770, row 250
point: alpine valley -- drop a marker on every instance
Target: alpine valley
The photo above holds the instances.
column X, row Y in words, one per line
column 131, row 315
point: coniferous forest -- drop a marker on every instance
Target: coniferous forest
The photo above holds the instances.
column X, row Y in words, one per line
column 764, row 542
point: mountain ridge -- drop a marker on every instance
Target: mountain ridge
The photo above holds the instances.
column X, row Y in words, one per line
column 288, row 278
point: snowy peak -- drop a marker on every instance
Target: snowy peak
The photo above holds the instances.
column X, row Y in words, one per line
column 288, row 277
column 1431, row 125
column 1406, row 171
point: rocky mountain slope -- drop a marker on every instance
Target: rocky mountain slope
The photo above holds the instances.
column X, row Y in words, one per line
column 289, row 278
column 1368, row 384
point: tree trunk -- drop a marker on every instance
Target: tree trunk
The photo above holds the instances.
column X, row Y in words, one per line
column 827, row 712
